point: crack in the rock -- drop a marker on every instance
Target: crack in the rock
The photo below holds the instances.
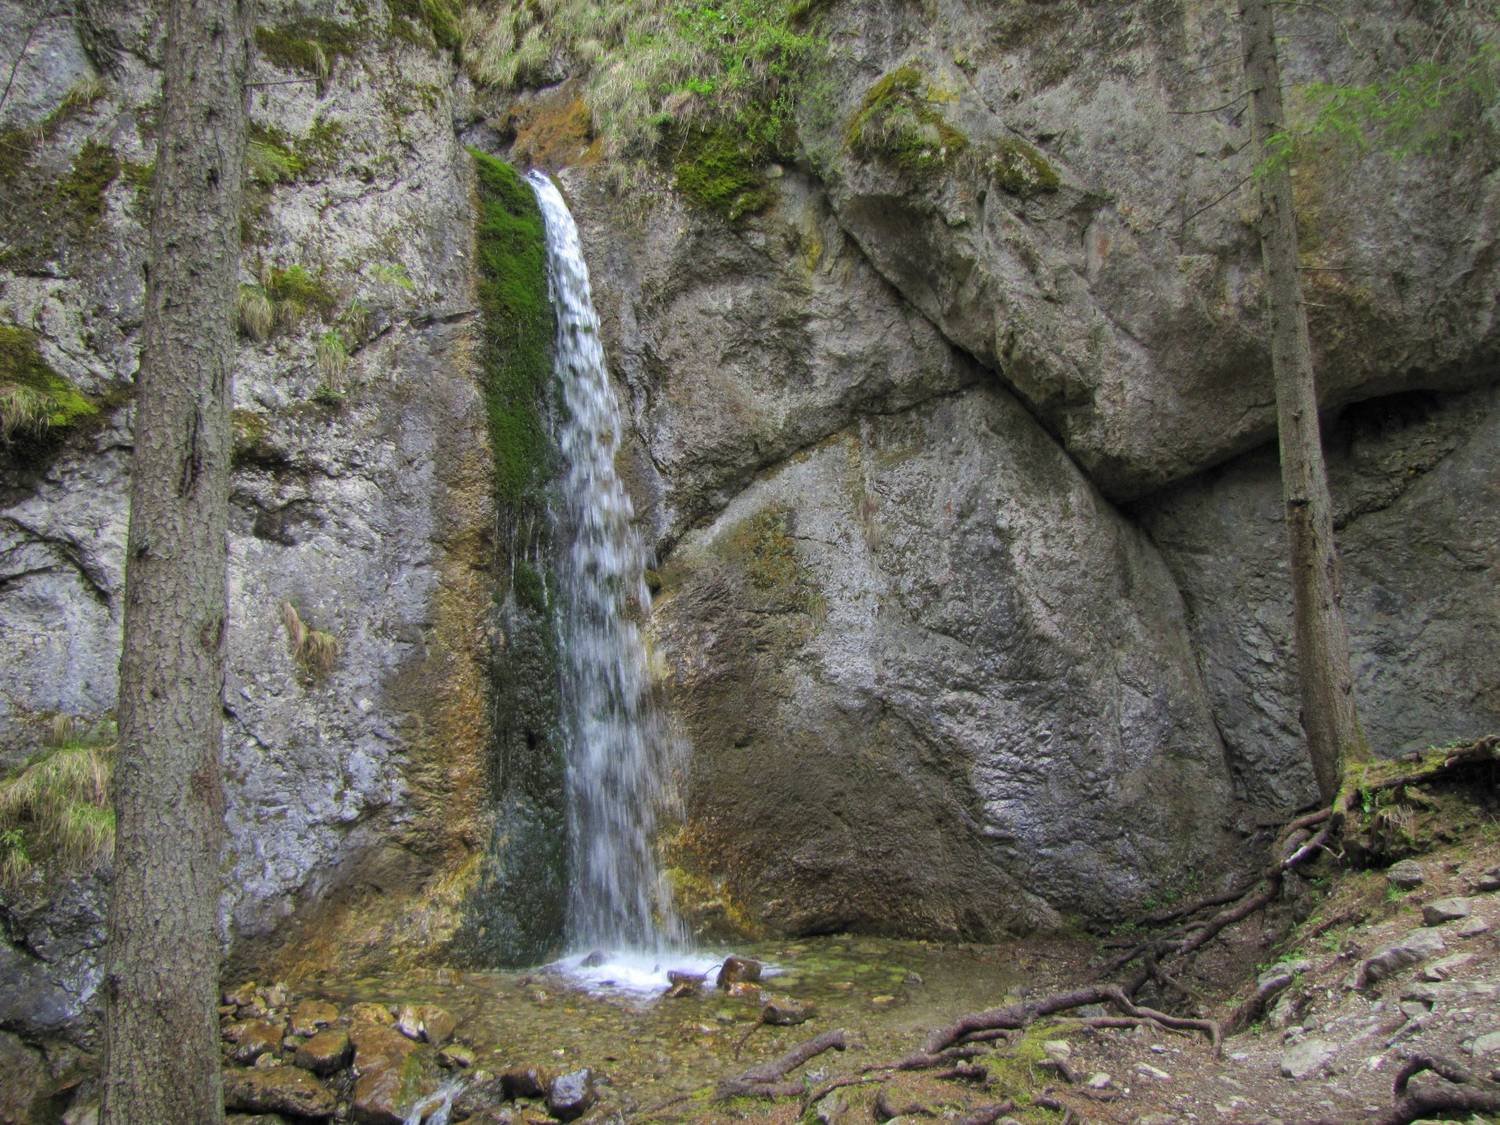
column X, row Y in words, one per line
column 69, row 552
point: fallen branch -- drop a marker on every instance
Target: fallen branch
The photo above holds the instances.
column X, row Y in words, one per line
column 764, row 1081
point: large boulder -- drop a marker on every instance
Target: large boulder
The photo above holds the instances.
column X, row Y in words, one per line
column 934, row 683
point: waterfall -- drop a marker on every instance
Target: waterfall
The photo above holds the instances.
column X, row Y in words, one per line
column 616, row 743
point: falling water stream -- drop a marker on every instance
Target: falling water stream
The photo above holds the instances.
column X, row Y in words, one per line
column 616, row 743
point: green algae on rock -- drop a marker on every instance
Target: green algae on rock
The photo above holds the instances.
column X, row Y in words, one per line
column 513, row 911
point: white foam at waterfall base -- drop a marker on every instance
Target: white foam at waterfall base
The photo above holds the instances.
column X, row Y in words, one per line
column 632, row 972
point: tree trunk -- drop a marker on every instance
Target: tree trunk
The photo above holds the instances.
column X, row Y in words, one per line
column 161, row 1027
column 1329, row 717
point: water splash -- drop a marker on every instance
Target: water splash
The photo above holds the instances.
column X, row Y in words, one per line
column 616, row 744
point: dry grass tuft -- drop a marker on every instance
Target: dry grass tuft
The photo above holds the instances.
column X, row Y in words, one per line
column 255, row 312
column 314, row 649
column 56, row 808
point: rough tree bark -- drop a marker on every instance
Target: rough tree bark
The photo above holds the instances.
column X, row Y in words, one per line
column 1329, row 717
column 161, row 1030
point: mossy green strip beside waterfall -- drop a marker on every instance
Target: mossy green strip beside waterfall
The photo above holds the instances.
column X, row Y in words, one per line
column 518, row 327
column 515, row 911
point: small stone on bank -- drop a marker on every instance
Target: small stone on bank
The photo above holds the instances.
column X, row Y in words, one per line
column 1443, row 969
column 1307, row 1057
column 1415, row 946
column 1406, row 874
column 1446, row 910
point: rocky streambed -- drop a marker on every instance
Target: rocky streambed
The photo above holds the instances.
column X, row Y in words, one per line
column 538, row 1045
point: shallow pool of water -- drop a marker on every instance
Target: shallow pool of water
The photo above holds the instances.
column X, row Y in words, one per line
column 887, row 994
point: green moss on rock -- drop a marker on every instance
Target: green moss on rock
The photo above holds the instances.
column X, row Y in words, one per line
column 440, row 18
column 296, row 292
column 721, row 171
column 518, row 329
column 34, row 399
column 82, row 189
column 307, row 45
column 1021, row 170
column 897, row 122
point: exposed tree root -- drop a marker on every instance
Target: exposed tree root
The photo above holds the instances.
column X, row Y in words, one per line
column 1018, row 1016
column 1465, row 1092
column 1301, row 840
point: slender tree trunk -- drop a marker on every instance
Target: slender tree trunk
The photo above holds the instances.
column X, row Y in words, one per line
column 161, row 1027
column 1329, row 717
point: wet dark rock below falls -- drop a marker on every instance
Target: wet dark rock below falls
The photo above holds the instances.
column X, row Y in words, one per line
column 536, row 1045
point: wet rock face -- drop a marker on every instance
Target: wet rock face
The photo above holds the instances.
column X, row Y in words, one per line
column 732, row 350
column 49, row 969
column 934, row 683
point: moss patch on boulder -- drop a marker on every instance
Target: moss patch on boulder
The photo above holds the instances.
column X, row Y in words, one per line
column 898, row 122
column 1021, row 170
column 718, row 170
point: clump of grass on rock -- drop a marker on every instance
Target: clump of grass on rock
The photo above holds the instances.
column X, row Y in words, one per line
column 55, row 811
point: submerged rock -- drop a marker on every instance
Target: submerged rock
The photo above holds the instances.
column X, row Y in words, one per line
column 391, row 1074
column 283, row 1089
column 426, row 1022
column 253, row 1038
column 783, row 1011
column 327, row 1051
column 525, row 1082
column 311, row 1015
